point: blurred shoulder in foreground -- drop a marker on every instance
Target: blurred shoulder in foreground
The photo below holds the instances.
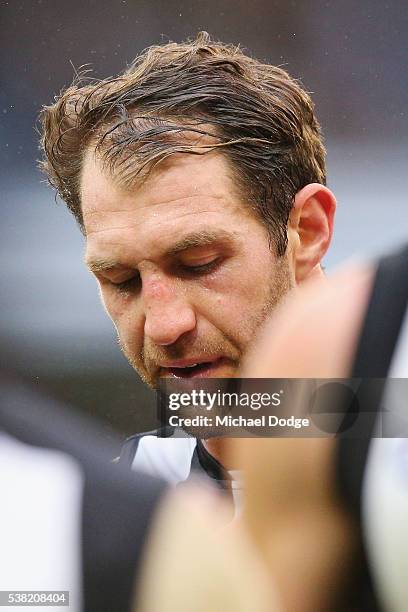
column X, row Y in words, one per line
column 326, row 495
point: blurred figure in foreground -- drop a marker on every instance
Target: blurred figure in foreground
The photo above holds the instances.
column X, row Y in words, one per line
column 311, row 504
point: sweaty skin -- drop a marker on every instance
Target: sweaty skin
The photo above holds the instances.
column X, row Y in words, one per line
column 184, row 265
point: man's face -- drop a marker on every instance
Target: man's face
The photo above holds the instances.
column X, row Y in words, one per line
column 184, row 266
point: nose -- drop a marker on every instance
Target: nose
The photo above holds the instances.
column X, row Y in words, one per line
column 168, row 314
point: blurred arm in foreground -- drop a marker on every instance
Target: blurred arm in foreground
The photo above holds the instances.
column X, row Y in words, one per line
column 304, row 523
column 292, row 507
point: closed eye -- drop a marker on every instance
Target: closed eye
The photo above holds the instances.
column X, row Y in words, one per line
column 201, row 269
column 130, row 284
column 134, row 282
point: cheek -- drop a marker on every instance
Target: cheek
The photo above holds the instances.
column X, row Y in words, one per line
column 229, row 303
column 242, row 297
column 110, row 302
column 124, row 315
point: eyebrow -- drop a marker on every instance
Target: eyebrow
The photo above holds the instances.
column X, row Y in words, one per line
column 100, row 264
column 197, row 239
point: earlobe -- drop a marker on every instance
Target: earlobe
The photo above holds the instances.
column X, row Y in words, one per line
column 311, row 222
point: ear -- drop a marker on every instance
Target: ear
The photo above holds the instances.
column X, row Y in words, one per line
column 310, row 228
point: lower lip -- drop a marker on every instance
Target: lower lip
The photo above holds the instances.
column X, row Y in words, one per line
column 214, row 370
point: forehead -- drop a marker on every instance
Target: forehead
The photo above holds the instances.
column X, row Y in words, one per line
column 188, row 192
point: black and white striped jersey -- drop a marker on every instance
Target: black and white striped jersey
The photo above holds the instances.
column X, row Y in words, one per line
column 69, row 520
column 177, row 459
column 160, row 454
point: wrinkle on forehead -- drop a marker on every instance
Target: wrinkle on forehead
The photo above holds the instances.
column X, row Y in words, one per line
column 95, row 210
column 96, row 225
column 90, row 212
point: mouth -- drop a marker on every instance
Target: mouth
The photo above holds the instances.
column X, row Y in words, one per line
column 195, row 368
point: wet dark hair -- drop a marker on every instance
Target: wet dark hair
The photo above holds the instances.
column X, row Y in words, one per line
column 253, row 113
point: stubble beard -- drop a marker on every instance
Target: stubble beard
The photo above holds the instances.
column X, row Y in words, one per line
column 279, row 287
